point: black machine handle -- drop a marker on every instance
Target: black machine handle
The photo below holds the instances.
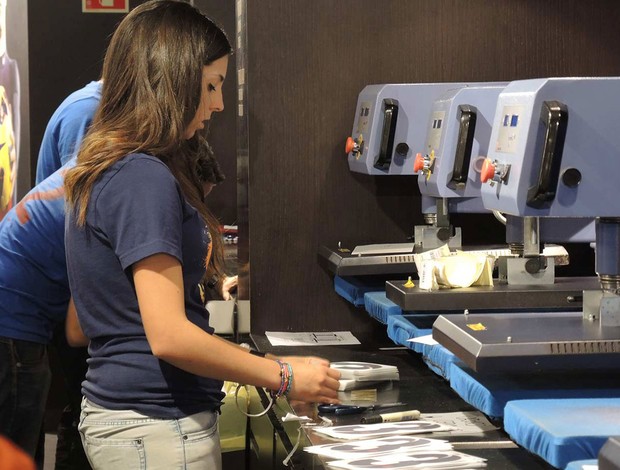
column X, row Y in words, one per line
column 462, row 156
column 390, row 116
column 554, row 116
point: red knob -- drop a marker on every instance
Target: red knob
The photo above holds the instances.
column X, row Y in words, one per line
column 418, row 163
column 350, row 145
column 488, row 170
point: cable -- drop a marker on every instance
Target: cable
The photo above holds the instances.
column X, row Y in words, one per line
column 249, row 415
column 499, row 216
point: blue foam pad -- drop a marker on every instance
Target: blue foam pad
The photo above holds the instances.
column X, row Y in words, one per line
column 490, row 394
column 440, row 360
column 380, row 307
column 353, row 288
column 563, row 430
column 578, row 464
column 401, row 328
column 437, row 358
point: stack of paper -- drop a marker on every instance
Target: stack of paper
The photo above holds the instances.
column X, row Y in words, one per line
column 380, row 446
column 440, row 459
column 360, row 374
column 391, row 445
column 368, row 431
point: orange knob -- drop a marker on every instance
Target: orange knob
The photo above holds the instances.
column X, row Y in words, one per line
column 350, row 145
column 418, row 163
column 488, row 170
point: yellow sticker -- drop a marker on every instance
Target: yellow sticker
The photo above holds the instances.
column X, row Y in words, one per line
column 476, row 326
column 431, row 160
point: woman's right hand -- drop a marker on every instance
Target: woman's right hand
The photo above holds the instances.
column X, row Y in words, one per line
column 314, row 381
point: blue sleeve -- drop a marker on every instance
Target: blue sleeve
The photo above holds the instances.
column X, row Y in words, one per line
column 63, row 135
column 140, row 211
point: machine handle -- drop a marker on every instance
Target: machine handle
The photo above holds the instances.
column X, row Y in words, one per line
column 554, row 116
column 390, row 116
column 462, row 156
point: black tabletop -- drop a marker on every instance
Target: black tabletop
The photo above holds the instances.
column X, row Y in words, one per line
column 418, row 388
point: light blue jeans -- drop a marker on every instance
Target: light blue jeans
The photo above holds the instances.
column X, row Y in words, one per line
column 129, row 440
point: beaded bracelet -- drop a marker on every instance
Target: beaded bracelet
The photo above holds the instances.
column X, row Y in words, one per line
column 286, row 380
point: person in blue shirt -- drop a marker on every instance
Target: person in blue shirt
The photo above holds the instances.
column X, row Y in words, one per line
column 34, row 294
column 63, row 134
column 136, row 246
column 34, row 298
column 66, row 129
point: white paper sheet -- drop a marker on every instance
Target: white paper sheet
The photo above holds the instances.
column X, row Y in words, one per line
column 381, row 446
column 320, row 338
column 446, row 459
column 426, row 339
column 463, row 422
column 371, row 431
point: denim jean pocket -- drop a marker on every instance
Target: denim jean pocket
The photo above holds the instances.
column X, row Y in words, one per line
column 29, row 354
column 127, row 454
column 202, row 448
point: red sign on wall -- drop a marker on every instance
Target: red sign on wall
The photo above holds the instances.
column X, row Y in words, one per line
column 105, row 6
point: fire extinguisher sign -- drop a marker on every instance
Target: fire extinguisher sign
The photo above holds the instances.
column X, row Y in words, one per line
column 105, row 6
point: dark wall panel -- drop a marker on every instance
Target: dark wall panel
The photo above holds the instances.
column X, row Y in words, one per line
column 66, row 49
column 308, row 61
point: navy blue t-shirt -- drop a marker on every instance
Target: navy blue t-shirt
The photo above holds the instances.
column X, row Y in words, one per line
column 136, row 210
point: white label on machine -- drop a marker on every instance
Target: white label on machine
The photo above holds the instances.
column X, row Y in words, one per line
column 437, row 125
column 509, row 127
column 363, row 117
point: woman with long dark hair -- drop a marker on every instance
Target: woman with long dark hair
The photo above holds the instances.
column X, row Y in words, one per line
column 136, row 247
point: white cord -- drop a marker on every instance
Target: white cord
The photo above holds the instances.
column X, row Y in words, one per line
column 257, row 415
column 263, row 413
column 499, row 216
column 290, row 454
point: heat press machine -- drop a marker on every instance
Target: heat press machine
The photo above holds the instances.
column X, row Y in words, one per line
column 450, row 177
column 553, row 154
column 390, row 122
column 458, row 134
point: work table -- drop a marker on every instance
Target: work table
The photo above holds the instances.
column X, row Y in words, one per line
column 418, row 388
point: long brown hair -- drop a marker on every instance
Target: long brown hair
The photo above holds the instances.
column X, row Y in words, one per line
column 152, row 78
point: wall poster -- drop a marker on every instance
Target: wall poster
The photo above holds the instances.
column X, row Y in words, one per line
column 14, row 128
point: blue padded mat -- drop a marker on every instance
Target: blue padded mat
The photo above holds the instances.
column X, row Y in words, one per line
column 353, row 288
column 490, row 394
column 380, row 307
column 440, row 360
column 563, row 430
column 578, row 464
column 403, row 327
